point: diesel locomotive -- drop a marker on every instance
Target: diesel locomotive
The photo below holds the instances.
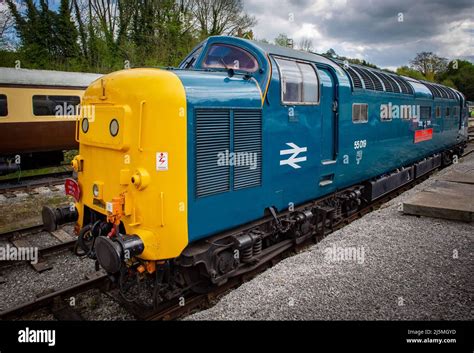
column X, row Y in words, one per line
column 188, row 176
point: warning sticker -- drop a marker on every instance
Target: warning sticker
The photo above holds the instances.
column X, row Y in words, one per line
column 161, row 161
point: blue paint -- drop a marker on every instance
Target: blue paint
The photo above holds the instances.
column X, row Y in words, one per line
column 388, row 144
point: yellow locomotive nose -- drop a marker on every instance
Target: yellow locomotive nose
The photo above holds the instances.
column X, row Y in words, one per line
column 135, row 145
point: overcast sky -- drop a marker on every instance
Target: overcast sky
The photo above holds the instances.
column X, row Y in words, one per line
column 387, row 33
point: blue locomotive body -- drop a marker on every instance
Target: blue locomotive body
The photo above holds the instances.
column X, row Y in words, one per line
column 274, row 127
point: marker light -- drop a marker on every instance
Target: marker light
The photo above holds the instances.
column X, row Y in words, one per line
column 85, row 125
column 95, row 190
column 114, row 127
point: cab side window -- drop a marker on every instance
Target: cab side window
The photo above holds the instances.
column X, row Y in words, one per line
column 3, row 105
column 190, row 62
column 223, row 56
column 425, row 112
column 299, row 82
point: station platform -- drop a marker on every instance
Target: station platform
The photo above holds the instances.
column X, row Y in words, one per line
column 451, row 197
column 388, row 265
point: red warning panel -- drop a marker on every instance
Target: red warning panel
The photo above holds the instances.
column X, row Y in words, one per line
column 423, row 135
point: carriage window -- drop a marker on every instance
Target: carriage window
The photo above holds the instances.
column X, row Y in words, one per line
column 191, row 61
column 299, row 82
column 222, row 56
column 360, row 113
column 425, row 112
column 3, row 105
column 455, row 112
column 55, row 105
column 438, row 112
column 447, row 112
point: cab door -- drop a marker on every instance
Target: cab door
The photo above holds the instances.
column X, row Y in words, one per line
column 329, row 115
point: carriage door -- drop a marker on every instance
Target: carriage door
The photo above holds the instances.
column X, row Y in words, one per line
column 329, row 115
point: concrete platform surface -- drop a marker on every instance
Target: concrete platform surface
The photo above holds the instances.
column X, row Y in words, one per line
column 451, row 196
column 384, row 266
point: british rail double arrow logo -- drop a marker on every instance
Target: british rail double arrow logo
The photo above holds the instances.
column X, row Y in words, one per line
column 294, row 159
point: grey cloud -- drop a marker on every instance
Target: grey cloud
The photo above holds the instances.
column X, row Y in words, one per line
column 372, row 24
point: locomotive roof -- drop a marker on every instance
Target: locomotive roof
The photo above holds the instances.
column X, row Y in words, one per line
column 27, row 77
column 292, row 53
column 363, row 77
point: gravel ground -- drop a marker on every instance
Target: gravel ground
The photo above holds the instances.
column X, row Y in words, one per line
column 24, row 210
column 393, row 267
column 21, row 283
column 97, row 306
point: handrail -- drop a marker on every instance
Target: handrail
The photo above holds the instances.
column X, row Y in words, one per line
column 142, row 103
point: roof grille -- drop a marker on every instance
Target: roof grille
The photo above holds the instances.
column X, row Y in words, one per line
column 452, row 95
column 368, row 83
column 356, row 80
column 393, row 83
column 404, row 86
column 386, row 82
column 434, row 91
column 377, row 81
column 445, row 91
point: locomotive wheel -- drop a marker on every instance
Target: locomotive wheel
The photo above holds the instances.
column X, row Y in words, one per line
column 85, row 240
column 447, row 160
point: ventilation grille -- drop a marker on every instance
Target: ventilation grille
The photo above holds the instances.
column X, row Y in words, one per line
column 212, row 139
column 368, row 83
column 393, row 84
column 377, row 82
column 356, row 81
column 443, row 92
column 404, row 86
column 247, row 148
column 434, row 91
column 447, row 92
column 450, row 93
column 386, row 81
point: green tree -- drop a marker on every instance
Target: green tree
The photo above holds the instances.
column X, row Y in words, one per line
column 66, row 32
column 104, row 34
column 283, row 41
column 215, row 17
column 429, row 64
column 461, row 74
column 331, row 53
column 409, row 72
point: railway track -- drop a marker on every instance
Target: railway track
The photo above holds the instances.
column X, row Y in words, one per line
column 19, row 240
column 187, row 303
column 54, row 300
column 28, row 184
